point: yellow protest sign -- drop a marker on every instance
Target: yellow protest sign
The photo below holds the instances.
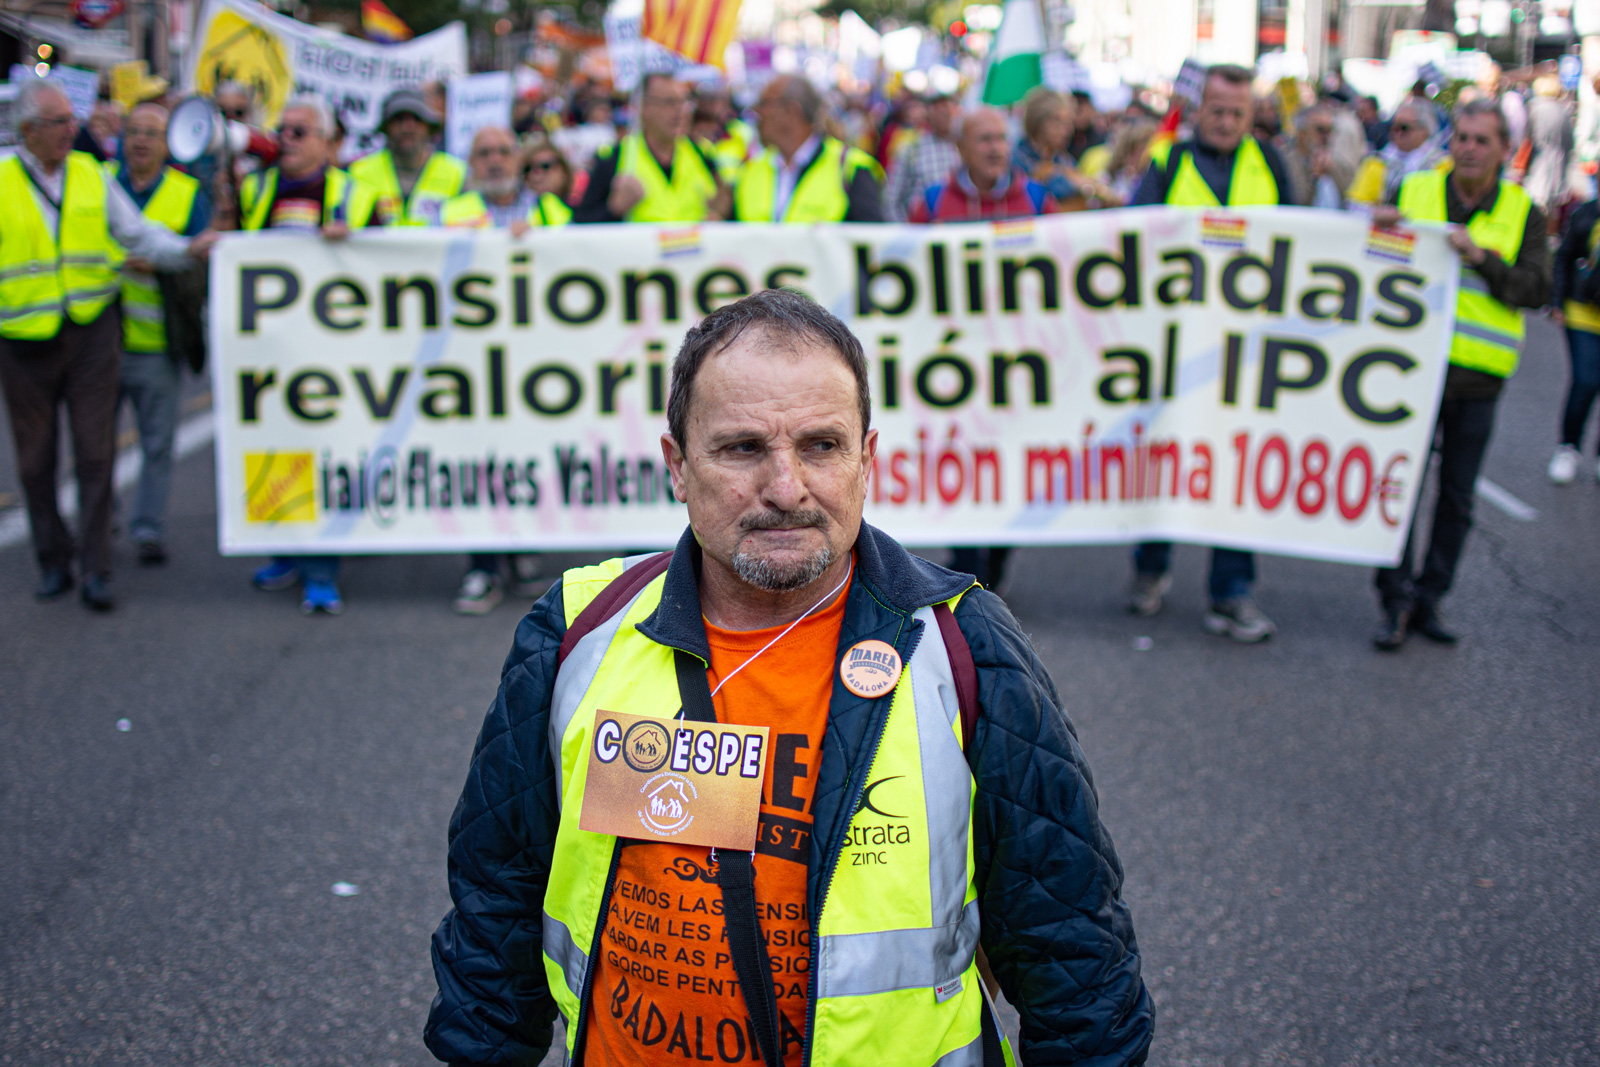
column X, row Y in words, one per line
column 279, row 487
column 127, row 82
column 235, row 49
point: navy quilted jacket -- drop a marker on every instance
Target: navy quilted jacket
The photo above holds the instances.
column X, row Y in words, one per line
column 1056, row 931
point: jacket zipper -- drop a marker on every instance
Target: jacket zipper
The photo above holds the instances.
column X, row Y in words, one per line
column 827, row 884
column 594, row 946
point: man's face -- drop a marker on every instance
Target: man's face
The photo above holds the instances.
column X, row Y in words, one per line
column 1366, row 111
column 1316, row 130
column 664, row 109
column 144, row 139
column 942, row 115
column 776, row 118
column 1224, row 115
column 302, row 147
column 984, row 148
column 406, row 133
column 1406, row 132
column 775, row 468
column 234, row 105
column 494, row 163
column 1477, row 148
column 49, row 136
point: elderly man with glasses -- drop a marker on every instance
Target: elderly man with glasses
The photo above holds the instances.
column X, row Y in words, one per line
column 64, row 231
column 656, row 173
column 307, row 194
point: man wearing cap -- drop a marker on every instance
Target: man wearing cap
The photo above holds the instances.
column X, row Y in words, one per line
column 412, row 178
column 65, row 228
column 920, row 805
column 150, row 373
column 804, row 175
column 656, row 173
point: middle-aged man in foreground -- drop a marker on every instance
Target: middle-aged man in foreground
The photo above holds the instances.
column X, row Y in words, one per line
column 885, row 856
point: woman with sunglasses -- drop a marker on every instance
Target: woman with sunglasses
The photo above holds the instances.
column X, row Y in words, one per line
column 1413, row 146
column 547, row 171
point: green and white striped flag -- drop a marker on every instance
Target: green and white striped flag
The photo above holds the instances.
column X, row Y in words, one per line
column 1014, row 62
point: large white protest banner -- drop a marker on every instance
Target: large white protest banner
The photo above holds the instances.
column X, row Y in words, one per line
column 243, row 41
column 1262, row 379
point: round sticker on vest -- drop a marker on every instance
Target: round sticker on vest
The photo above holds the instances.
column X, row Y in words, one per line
column 644, row 746
column 870, row 668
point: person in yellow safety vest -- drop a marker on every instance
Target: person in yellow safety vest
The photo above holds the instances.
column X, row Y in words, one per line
column 150, row 371
column 656, row 173
column 305, row 193
column 803, row 175
column 920, row 821
column 498, row 199
column 1223, row 165
column 65, row 229
column 1412, row 148
column 413, row 179
column 1505, row 268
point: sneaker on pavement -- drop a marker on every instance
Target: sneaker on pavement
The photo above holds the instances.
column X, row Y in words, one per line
column 1239, row 619
column 321, row 596
column 1148, row 589
column 479, row 593
column 279, row 574
column 1564, row 465
column 151, row 553
column 527, row 575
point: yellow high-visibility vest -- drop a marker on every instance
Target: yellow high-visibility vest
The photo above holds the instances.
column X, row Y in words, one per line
column 897, row 940
column 442, row 178
column 1251, row 184
column 144, row 326
column 40, row 274
column 343, row 199
column 468, row 211
column 821, row 195
column 1488, row 333
column 685, row 198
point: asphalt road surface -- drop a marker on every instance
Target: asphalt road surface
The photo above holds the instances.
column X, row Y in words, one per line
column 1333, row 856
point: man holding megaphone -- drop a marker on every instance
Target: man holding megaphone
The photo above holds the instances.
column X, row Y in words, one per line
column 65, row 231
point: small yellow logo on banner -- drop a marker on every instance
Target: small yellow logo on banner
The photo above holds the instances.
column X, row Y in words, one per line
column 280, row 487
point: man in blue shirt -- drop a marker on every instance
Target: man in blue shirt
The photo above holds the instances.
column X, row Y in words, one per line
column 150, row 374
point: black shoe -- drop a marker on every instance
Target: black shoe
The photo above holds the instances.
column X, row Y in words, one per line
column 152, row 553
column 56, row 581
column 97, row 593
column 1392, row 631
column 1425, row 620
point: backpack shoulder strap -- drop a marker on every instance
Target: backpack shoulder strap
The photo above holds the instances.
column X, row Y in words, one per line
column 623, row 588
column 962, row 667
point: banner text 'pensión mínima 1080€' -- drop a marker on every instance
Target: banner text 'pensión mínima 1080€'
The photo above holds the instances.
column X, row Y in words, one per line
column 1263, row 379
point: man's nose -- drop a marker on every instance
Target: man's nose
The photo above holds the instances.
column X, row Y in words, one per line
column 785, row 486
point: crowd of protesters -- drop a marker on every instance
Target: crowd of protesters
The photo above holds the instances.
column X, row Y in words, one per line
column 674, row 153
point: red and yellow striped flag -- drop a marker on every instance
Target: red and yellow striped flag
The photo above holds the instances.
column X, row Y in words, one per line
column 382, row 25
column 698, row 29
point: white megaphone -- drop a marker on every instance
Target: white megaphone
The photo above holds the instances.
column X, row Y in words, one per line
column 197, row 129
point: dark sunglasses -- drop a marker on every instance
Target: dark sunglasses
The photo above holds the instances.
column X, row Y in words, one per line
column 237, row 114
column 294, row 133
column 543, row 165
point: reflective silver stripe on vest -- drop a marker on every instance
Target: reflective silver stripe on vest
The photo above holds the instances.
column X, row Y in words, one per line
column 38, row 266
column 1487, row 333
column 855, row 965
column 30, row 309
column 577, row 674
column 966, row 1056
column 143, row 312
column 559, row 946
column 859, row 964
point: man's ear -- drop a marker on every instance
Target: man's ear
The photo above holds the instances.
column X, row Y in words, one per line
column 673, row 456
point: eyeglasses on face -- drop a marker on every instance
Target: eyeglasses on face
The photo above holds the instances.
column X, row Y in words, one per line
column 543, row 165
column 494, row 150
column 235, row 114
column 1402, row 127
column 58, row 123
column 295, row 132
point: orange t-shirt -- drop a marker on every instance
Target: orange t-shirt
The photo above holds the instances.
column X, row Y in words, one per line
column 665, row 989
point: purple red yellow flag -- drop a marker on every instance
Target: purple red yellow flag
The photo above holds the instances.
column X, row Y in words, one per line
column 382, row 25
column 698, row 29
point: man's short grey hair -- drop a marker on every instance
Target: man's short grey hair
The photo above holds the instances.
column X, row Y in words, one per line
column 30, row 101
column 797, row 89
column 248, row 91
column 1484, row 105
column 959, row 123
column 315, row 104
column 1423, row 115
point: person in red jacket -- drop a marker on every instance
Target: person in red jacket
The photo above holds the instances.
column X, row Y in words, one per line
column 985, row 185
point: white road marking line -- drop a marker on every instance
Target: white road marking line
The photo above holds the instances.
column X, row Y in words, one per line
column 1507, row 503
column 193, row 434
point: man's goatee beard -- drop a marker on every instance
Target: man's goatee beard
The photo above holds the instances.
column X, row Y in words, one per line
column 781, row 578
